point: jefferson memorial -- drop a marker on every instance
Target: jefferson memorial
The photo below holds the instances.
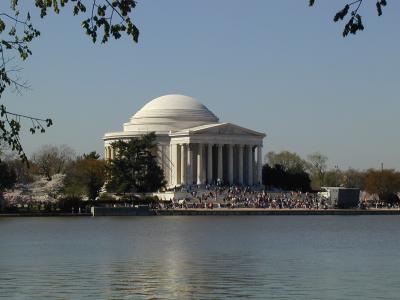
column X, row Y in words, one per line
column 193, row 146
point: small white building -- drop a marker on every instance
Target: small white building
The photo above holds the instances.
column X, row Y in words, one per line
column 193, row 146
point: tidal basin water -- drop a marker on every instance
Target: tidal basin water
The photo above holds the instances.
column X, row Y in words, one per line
column 200, row 257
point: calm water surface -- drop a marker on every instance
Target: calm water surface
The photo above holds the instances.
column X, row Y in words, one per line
column 201, row 257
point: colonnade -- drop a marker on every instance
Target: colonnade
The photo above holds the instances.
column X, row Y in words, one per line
column 208, row 163
column 201, row 163
column 109, row 153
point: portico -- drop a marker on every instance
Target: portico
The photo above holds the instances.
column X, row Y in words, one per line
column 221, row 152
column 202, row 167
column 193, row 147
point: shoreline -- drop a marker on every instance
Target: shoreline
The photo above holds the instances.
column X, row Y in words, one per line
column 282, row 212
column 42, row 214
column 221, row 212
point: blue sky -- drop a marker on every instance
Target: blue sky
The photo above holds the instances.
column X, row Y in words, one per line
column 278, row 67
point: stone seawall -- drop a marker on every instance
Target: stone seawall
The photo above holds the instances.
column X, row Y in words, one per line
column 244, row 211
column 122, row 211
column 131, row 211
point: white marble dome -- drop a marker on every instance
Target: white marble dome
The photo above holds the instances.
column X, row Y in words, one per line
column 170, row 113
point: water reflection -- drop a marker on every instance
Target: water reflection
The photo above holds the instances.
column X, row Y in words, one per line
column 180, row 278
column 200, row 258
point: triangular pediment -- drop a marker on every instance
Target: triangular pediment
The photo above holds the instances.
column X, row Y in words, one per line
column 222, row 129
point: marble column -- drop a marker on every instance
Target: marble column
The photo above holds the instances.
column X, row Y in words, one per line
column 189, row 172
column 175, row 163
column 200, row 164
column 163, row 158
column 220, row 163
column 183, row 164
column 249, row 149
column 253, row 154
column 240, row 164
column 209, row 164
column 259, row 164
column 230, row 164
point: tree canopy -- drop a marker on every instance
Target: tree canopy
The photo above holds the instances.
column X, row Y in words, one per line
column 354, row 23
column 101, row 20
column 289, row 161
column 51, row 159
column 135, row 168
column 318, row 166
column 385, row 183
column 8, row 176
column 278, row 177
column 85, row 176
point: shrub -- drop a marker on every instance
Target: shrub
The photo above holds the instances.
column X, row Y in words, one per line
column 68, row 202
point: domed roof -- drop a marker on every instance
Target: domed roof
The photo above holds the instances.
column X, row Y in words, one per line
column 174, row 102
column 170, row 113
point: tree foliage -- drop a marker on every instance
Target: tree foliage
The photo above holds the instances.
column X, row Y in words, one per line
column 24, row 173
column 318, row 166
column 101, row 19
column 85, row 176
column 354, row 23
column 8, row 176
column 384, row 183
column 353, row 178
column 278, row 176
column 289, row 161
column 51, row 160
column 333, row 177
column 135, row 168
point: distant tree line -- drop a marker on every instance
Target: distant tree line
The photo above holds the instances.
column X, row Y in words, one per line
column 134, row 170
column 288, row 171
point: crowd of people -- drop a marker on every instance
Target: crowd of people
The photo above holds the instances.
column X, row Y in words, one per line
column 218, row 196
column 245, row 197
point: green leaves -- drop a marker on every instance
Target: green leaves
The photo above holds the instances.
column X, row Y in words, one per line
column 104, row 19
column 101, row 10
column 102, row 16
column 379, row 5
column 342, row 13
column 2, row 26
column 86, row 175
column 8, row 176
column 355, row 22
column 10, row 127
column 135, row 169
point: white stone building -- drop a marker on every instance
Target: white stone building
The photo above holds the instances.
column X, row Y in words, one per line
column 193, row 147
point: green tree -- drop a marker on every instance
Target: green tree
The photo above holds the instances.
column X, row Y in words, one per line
column 25, row 173
column 277, row 177
column 8, row 178
column 384, row 183
column 354, row 23
column 317, row 165
column 289, row 161
column 50, row 160
column 334, row 177
column 354, row 178
column 85, row 176
column 101, row 20
column 135, row 168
